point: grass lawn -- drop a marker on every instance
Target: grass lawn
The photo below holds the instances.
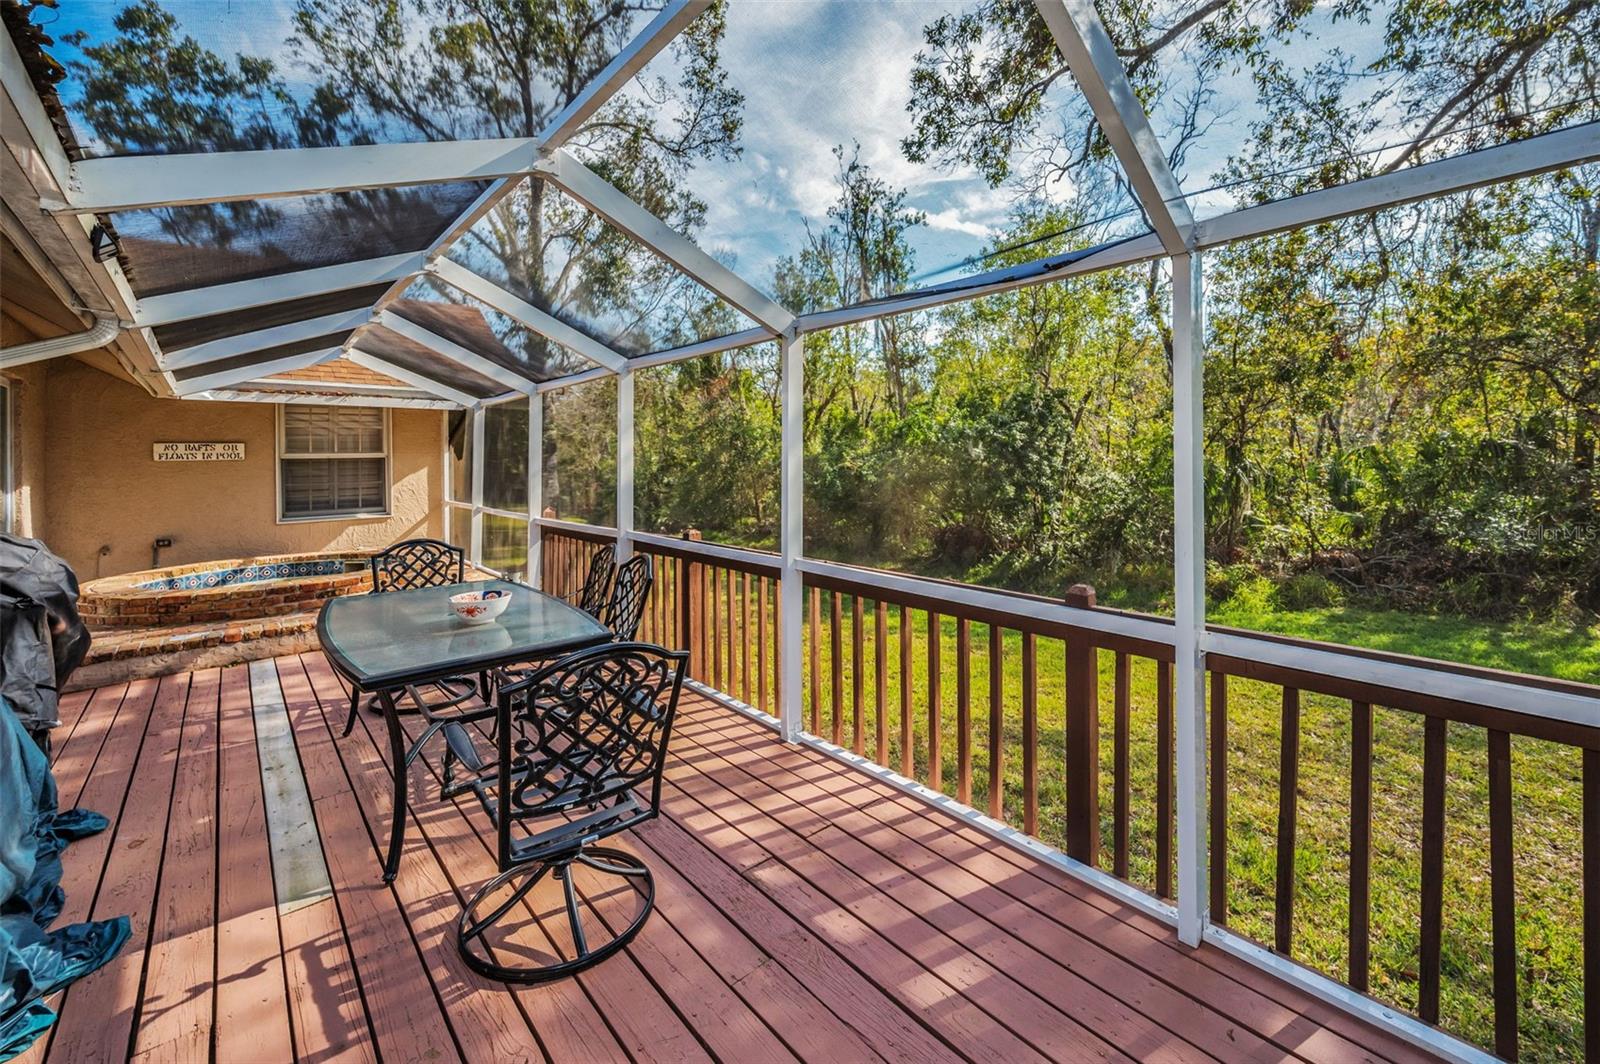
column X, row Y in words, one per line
column 1546, row 782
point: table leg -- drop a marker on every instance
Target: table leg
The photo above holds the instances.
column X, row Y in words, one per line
column 399, row 762
column 350, row 718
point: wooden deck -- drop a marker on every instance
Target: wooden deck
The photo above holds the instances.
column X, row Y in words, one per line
column 805, row 911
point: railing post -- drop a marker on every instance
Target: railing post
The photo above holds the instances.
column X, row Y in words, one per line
column 1189, row 590
column 791, row 538
column 1083, row 738
column 535, row 489
column 553, row 584
column 690, row 607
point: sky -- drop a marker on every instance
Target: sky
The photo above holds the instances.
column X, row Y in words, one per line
column 814, row 74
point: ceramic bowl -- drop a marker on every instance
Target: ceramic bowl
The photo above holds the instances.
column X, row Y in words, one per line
column 480, row 607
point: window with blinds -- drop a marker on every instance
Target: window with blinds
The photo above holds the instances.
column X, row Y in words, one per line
column 333, row 461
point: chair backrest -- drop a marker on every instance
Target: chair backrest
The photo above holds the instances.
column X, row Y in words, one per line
column 597, row 585
column 629, row 594
column 417, row 563
column 590, row 730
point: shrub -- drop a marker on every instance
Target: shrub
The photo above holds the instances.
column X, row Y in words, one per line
column 1307, row 591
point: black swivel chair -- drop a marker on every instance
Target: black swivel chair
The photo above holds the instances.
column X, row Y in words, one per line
column 581, row 746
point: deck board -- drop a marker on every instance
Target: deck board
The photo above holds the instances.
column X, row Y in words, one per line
column 805, row 911
column 1052, row 894
column 252, row 1013
column 98, row 1013
column 1086, row 1005
column 176, row 1011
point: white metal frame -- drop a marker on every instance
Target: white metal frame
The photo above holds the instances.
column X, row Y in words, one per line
column 1189, row 590
column 227, row 378
column 472, row 502
column 454, row 352
column 268, row 392
column 672, row 20
column 535, row 489
column 525, row 313
column 625, row 465
column 475, row 425
column 261, row 339
column 262, row 291
column 416, row 380
column 136, row 182
column 1087, row 48
column 589, row 189
column 791, row 532
column 281, row 454
column 124, row 183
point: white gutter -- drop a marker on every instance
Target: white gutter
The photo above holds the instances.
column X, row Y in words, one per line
column 104, row 330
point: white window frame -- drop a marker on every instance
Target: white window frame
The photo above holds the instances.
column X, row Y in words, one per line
column 280, row 456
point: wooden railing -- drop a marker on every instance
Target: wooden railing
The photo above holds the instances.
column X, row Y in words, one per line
column 565, row 556
column 936, row 749
column 723, row 611
column 1437, row 714
column 948, row 685
column 718, row 604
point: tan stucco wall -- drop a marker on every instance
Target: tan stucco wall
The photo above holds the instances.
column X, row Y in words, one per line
column 105, row 489
column 27, row 386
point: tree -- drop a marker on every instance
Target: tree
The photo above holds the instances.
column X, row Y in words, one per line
column 1462, row 75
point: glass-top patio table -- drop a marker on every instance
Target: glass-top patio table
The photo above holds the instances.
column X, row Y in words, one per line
column 384, row 643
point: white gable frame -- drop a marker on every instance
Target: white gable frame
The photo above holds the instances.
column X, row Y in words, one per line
column 601, row 197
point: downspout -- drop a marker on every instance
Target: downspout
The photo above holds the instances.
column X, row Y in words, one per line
column 104, row 330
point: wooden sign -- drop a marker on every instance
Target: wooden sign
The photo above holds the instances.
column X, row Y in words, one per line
column 199, row 452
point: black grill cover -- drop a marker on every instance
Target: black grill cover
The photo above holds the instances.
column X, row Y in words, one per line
column 42, row 638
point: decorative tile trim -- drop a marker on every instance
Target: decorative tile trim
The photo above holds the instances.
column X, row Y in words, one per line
column 248, row 575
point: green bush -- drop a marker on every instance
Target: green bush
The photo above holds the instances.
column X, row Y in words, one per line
column 1307, row 591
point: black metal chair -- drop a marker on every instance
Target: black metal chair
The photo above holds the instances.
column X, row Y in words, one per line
column 414, row 563
column 577, row 742
column 629, row 594
column 592, row 597
column 417, row 563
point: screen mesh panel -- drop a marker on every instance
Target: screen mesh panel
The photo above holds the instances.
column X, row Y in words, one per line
column 174, row 248
column 448, row 313
column 261, row 357
column 408, row 354
column 546, row 248
column 831, row 199
column 1291, row 114
column 182, row 334
column 214, row 75
column 505, row 472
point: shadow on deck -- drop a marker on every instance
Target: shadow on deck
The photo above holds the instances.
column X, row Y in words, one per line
column 804, row 911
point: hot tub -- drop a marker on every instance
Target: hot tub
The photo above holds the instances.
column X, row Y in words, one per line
column 235, row 589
